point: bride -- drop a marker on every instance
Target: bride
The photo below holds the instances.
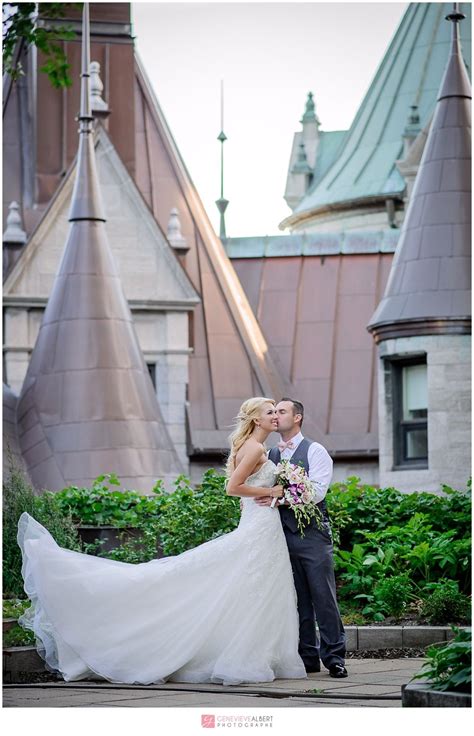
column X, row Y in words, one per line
column 223, row 612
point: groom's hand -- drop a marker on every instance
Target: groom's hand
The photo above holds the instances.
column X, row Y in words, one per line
column 263, row 500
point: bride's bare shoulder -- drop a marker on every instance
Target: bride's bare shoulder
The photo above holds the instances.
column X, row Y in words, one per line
column 250, row 449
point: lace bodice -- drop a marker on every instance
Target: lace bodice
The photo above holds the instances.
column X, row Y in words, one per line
column 264, row 477
column 251, row 511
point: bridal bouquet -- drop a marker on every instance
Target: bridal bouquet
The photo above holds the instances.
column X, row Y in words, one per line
column 298, row 492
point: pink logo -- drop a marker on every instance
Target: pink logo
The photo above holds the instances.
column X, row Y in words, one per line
column 208, row 721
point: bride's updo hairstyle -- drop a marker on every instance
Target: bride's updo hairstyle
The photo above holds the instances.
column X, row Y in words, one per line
column 244, row 426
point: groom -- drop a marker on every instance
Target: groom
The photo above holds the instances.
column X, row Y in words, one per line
column 311, row 556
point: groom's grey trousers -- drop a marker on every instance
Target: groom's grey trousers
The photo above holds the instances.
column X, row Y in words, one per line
column 313, row 572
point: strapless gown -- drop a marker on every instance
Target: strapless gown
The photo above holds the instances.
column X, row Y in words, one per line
column 223, row 612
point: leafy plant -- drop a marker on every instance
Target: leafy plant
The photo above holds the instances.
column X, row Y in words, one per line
column 190, row 517
column 101, row 506
column 19, row 496
column 449, row 666
column 359, row 569
column 394, row 594
column 18, row 637
column 178, row 520
column 443, row 603
column 22, row 22
column 14, row 607
column 357, row 510
column 423, row 536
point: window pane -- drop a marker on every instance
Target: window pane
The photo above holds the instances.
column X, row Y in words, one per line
column 415, row 391
column 416, row 444
column 152, row 371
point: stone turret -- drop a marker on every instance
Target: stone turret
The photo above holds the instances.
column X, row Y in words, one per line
column 423, row 322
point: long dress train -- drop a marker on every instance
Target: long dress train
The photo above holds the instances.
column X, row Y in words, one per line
column 223, row 612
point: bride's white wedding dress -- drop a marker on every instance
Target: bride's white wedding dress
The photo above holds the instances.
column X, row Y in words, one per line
column 223, row 612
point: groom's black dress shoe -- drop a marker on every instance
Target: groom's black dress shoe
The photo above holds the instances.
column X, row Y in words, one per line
column 314, row 667
column 338, row 670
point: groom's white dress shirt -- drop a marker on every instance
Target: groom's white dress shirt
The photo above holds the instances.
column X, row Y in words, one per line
column 320, row 465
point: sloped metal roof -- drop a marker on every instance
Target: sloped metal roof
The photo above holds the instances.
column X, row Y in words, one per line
column 313, row 310
column 409, row 74
column 231, row 359
column 429, row 289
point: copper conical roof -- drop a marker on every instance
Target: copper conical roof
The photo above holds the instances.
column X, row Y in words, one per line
column 428, row 290
column 87, row 405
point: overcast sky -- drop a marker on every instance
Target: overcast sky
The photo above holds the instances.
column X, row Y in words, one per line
column 269, row 56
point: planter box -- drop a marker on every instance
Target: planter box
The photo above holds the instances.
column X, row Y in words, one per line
column 21, row 659
column 394, row 637
column 420, row 695
column 8, row 623
column 112, row 537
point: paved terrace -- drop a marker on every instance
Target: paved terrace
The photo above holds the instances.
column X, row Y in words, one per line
column 371, row 683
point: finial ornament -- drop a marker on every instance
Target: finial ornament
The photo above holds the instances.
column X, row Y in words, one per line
column 222, row 202
column 86, row 201
column 98, row 105
column 14, row 232
column 174, row 234
column 455, row 16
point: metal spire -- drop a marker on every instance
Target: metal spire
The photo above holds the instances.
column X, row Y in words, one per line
column 429, row 291
column 87, row 404
column 455, row 80
column 221, row 202
column 86, row 203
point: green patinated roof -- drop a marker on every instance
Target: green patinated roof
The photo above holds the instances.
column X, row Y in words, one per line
column 410, row 73
column 328, row 146
column 313, row 244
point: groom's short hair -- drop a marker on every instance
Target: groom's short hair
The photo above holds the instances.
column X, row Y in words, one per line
column 298, row 408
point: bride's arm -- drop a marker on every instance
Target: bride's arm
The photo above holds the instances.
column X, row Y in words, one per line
column 236, row 483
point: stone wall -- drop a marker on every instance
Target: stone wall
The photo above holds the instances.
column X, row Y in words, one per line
column 449, row 413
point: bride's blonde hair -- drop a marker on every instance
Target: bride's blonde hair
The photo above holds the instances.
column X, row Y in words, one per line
column 245, row 424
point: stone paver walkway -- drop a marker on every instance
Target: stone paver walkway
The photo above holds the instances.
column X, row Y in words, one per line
column 371, row 683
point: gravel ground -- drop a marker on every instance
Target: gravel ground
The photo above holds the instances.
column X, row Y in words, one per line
column 387, row 653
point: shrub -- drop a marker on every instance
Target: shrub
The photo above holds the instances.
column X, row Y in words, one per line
column 190, row 517
column 449, row 666
column 381, row 532
column 177, row 521
column 19, row 496
column 14, row 607
column 18, row 637
column 100, row 506
column 356, row 509
column 395, row 594
column 444, row 603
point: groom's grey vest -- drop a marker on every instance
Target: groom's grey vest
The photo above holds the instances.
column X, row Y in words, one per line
column 299, row 457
